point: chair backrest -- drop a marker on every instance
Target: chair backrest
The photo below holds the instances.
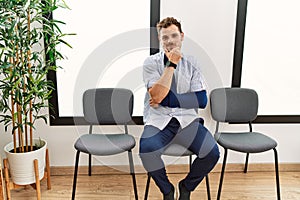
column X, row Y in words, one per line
column 233, row 104
column 108, row 106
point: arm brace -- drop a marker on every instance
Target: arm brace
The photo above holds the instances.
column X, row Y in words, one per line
column 186, row 100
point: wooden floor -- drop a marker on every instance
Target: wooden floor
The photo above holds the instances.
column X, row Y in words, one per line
column 237, row 186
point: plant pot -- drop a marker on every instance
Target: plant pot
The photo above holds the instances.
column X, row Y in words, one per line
column 21, row 165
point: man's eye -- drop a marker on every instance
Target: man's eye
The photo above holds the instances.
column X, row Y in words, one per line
column 175, row 35
column 165, row 38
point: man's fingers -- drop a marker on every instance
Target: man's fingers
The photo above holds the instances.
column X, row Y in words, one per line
column 166, row 50
column 174, row 57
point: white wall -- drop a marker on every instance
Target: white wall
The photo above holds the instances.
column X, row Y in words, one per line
column 216, row 54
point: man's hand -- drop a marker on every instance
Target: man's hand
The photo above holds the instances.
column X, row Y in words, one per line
column 161, row 88
column 174, row 55
column 153, row 104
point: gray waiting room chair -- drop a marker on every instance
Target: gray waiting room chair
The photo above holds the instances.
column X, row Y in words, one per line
column 177, row 150
column 239, row 105
column 107, row 106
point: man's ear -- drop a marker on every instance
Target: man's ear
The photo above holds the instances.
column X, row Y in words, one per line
column 182, row 36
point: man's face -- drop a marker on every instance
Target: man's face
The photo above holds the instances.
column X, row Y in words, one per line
column 170, row 37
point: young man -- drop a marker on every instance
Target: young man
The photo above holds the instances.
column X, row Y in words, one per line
column 176, row 91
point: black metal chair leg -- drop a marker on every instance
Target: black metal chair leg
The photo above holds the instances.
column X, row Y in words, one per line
column 277, row 174
column 75, row 175
column 90, row 155
column 147, row 187
column 207, row 187
column 90, row 164
column 132, row 174
column 246, row 163
column 222, row 175
column 190, row 161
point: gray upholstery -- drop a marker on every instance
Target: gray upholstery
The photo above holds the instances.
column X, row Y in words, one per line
column 107, row 105
column 177, row 150
column 104, row 144
column 247, row 142
column 238, row 105
column 233, row 104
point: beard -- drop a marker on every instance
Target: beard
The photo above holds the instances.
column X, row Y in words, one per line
column 171, row 46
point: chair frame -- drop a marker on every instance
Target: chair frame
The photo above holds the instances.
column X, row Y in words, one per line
column 246, row 166
column 190, row 165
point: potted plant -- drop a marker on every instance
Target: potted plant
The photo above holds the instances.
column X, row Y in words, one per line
column 24, row 88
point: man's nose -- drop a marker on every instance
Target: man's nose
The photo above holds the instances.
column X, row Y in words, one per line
column 170, row 40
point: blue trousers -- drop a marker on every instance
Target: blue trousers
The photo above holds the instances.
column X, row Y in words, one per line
column 195, row 137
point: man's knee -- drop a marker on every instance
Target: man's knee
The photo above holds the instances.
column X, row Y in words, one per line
column 144, row 147
column 214, row 154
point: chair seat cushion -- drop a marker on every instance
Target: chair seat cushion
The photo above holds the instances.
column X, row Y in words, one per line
column 104, row 144
column 247, row 142
column 177, row 150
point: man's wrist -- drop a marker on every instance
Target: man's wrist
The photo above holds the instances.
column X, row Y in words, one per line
column 171, row 64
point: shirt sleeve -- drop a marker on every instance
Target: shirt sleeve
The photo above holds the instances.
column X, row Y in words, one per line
column 150, row 72
column 198, row 81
